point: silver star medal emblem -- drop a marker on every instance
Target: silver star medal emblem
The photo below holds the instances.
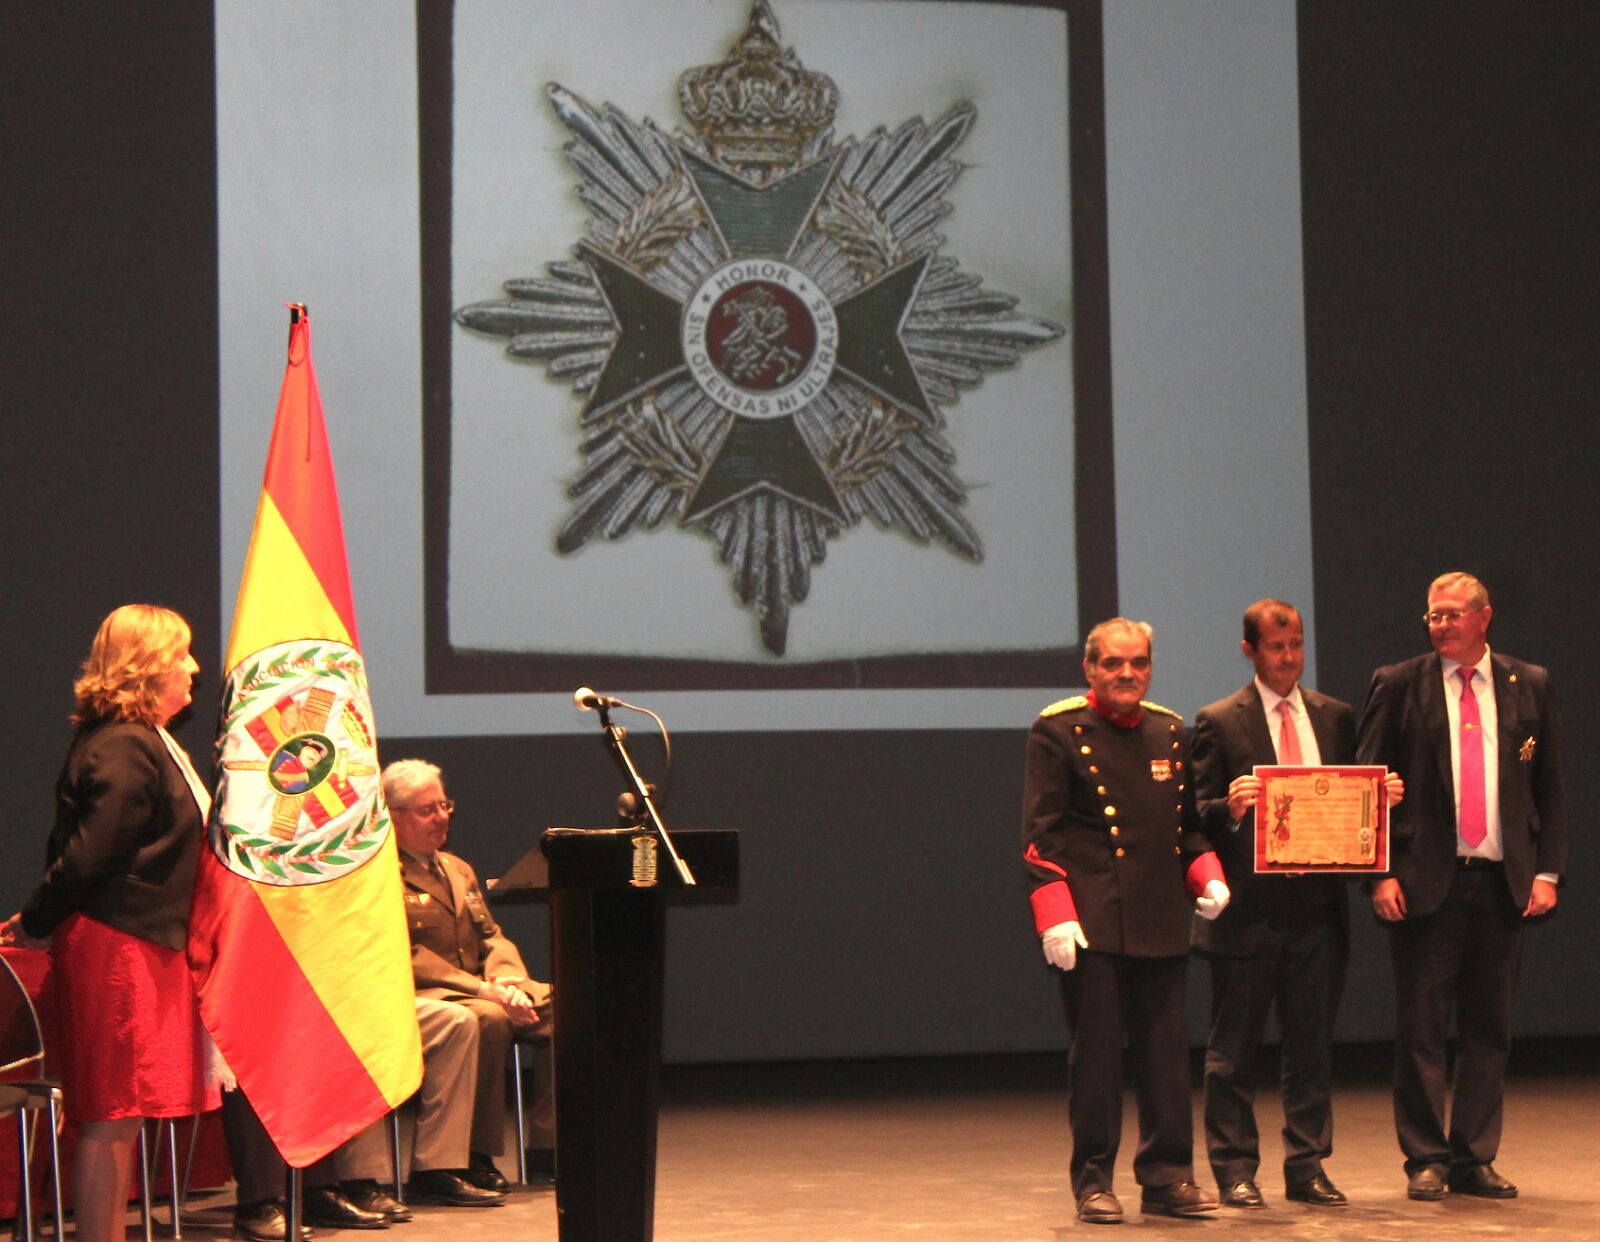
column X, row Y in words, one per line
column 762, row 323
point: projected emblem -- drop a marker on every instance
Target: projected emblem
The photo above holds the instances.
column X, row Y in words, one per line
column 762, row 323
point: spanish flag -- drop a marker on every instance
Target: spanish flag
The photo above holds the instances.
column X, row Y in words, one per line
column 297, row 940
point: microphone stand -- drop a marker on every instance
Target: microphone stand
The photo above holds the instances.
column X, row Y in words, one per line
column 615, row 735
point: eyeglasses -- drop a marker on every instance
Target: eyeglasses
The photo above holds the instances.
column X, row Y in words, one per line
column 1448, row 616
column 428, row 810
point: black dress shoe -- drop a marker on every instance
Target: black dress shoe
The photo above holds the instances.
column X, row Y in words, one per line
column 1483, row 1181
column 1319, row 1191
column 326, row 1205
column 367, row 1195
column 1176, row 1199
column 1426, row 1183
column 1100, row 1207
column 450, row 1188
column 1243, row 1195
column 263, row 1221
column 541, row 1164
column 481, row 1172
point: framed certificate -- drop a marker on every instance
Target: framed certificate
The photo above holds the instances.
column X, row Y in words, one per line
column 1322, row 819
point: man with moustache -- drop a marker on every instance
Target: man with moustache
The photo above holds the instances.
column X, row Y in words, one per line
column 1114, row 855
column 1476, row 851
column 1284, row 939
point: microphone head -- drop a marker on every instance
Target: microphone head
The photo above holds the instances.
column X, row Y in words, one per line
column 585, row 699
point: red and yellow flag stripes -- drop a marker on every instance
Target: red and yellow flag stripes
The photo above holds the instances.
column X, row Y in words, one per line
column 298, row 939
column 296, row 580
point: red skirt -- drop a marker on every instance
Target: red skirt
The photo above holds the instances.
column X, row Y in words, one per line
column 131, row 1043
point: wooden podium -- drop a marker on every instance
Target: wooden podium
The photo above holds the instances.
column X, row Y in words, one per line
column 608, row 890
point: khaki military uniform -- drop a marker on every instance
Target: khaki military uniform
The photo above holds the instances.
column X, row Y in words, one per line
column 455, row 946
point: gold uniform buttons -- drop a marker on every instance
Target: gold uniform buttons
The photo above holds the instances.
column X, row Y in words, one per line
column 1111, row 810
column 1174, row 746
column 1094, row 769
column 1121, row 852
column 1115, row 830
column 1077, row 728
column 1100, row 789
column 1177, row 849
column 1084, row 750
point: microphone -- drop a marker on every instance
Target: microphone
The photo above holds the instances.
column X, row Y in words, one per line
column 586, row 700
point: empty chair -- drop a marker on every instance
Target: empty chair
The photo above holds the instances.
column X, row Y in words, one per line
column 29, row 1094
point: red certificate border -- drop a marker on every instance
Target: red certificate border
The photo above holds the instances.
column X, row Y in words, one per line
column 1269, row 770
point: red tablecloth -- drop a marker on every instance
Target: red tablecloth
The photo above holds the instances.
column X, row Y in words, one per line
column 211, row 1167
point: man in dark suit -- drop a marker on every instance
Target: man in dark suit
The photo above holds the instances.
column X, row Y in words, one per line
column 1283, row 939
column 1115, row 863
column 1477, row 850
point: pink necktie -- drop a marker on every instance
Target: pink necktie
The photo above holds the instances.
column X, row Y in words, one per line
column 1473, row 819
column 1288, row 735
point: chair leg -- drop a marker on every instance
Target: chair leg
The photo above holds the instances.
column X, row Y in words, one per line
column 170, row 1125
column 522, row 1130
column 188, row 1163
column 53, row 1106
column 25, row 1199
column 145, row 1213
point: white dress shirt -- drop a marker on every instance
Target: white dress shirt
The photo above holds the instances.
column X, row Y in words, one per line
column 1310, row 754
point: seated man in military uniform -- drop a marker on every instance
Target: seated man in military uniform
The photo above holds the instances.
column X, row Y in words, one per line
column 458, row 954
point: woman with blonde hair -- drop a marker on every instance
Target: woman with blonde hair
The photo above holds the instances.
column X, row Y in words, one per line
column 113, row 906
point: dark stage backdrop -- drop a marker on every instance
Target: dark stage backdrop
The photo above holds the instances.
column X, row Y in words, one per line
column 1449, row 263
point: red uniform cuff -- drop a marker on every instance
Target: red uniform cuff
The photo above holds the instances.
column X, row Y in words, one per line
column 1202, row 871
column 1052, row 904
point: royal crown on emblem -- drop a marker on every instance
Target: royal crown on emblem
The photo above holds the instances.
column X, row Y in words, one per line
column 759, row 108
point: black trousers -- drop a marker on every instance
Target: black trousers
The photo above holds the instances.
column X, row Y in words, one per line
column 1299, row 970
column 1462, row 958
column 1107, row 996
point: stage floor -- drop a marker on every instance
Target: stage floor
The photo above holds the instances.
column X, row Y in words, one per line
column 975, row 1150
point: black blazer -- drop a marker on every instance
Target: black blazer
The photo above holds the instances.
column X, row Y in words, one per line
column 1231, row 736
column 126, row 838
column 1407, row 727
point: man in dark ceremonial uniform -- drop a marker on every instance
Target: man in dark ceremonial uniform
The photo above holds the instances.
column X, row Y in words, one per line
column 1116, row 864
column 1284, row 940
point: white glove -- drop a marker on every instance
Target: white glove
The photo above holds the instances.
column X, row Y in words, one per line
column 1213, row 899
column 1061, row 944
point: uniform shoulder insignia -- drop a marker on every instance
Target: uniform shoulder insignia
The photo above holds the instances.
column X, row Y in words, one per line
column 1159, row 710
column 1076, row 703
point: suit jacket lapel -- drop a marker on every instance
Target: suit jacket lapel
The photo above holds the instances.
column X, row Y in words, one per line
column 419, row 875
column 1253, row 720
column 1321, row 724
column 1506, row 718
column 1436, row 718
column 456, row 880
column 1505, row 706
